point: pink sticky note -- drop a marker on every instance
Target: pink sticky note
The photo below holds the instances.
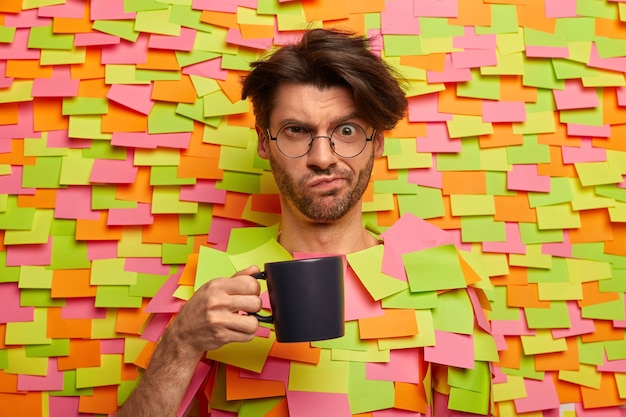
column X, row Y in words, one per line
column 575, row 96
column 219, row 234
column 140, row 215
column 424, row 108
column 612, row 64
column 64, row 406
column 18, row 49
column 586, row 152
column 361, row 304
column 438, row 140
column 60, row 85
column 109, row 10
column 156, row 326
column 578, row 324
column 603, row 131
column 53, row 381
column 315, row 404
column 203, row 191
column 197, row 379
column 61, row 139
column 33, row 255
column 621, row 96
column 101, row 249
column 26, row 19
column 396, row 412
column 455, row 237
column 126, row 52
column 211, row 68
column 136, row 97
column 513, row 243
column 427, row 177
column 152, row 266
column 612, row 366
column 451, row 349
column 111, row 171
column 183, row 42
column 436, row 8
column 562, row 249
column 533, row 51
column 71, row 9
column 229, row 6
column 403, row 366
column 398, row 18
column 75, row 203
column 5, row 82
column 24, row 127
column 81, row 308
column 112, row 346
column 481, row 318
column 12, row 183
column 540, row 395
column 474, row 58
column 495, row 111
column 10, row 309
column 95, row 39
column 235, row 37
column 581, row 411
column 164, row 301
column 274, row 369
column 450, row 73
column 470, row 40
column 560, row 8
column 525, row 178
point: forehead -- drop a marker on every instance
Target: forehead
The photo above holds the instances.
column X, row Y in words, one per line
column 310, row 104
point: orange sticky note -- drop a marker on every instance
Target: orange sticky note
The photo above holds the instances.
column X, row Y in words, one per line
column 48, row 114
column 464, row 182
column 206, row 168
column 231, row 86
column 97, row 229
column 9, row 114
column 122, row 119
column 514, row 208
column 139, row 191
column 60, row 328
column 83, row 354
column 472, row 13
column 102, row 401
column 177, row 91
column 595, row 226
column 160, row 59
column 164, row 229
column 502, row 136
column 449, row 102
column 606, row 396
column 72, row 283
column 23, row 404
column 238, row 388
column 567, row 360
column 132, row 320
column 411, row 397
column 299, row 352
column 233, row 207
column 43, row 198
column 394, row 323
column 430, row 62
column 513, row 89
column 556, row 167
column 532, row 14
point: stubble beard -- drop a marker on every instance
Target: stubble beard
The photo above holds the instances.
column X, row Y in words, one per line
column 321, row 209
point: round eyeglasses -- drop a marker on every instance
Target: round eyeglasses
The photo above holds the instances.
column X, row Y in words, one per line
column 347, row 140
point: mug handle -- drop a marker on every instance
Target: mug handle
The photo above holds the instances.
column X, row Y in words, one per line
column 263, row 319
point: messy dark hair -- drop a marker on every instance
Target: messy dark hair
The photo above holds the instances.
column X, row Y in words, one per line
column 327, row 58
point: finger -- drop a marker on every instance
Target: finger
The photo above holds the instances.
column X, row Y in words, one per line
column 251, row 270
column 247, row 303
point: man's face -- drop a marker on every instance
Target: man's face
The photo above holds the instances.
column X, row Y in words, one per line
column 321, row 186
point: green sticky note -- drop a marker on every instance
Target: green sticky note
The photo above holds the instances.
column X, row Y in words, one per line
column 258, row 407
column 470, row 389
column 401, row 45
column 482, row 229
column 503, row 20
column 530, row 152
column 249, row 238
column 270, row 251
column 156, row 75
column 540, row 38
column 105, row 328
column 554, row 317
column 454, row 312
column 466, row 126
column 533, row 258
column 35, row 277
column 85, row 106
column 487, row 88
column 251, row 355
column 408, row 158
column 38, row 234
column 617, row 283
column 325, row 376
column 367, row 264
column 536, row 122
column 168, row 175
column 124, row 29
column 410, row 300
column 595, row 8
column 239, row 159
column 557, row 272
column 559, row 291
column 87, row 127
column 508, row 64
column 231, row 136
column 19, row 91
column 183, row 14
column 195, row 111
column 500, row 309
column 568, row 68
column 7, row 35
column 485, row 348
column 197, row 223
column 8, row 273
column 166, row 200
column 29, row 332
column 104, row 197
column 540, row 73
column 75, row 169
column 585, row 270
column 108, row 373
column 146, row 285
column 212, row 263
column 434, row 269
column 218, row 104
column 531, row 234
column 39, row 147
column 116, row 296
column 215, row 41
column 373, row 354
column 367, row 395
column 164, row 119
column 560, row 192
column 526, row 369
column 19, row 363
column 596, row 173
column 104, row 150
column 426, row 204
column 68, row 253
column 593, row 116
column 132, row 246
column 46, row 173
column 472, row 204
column 493, row 160
column 122, row 74
column 559, row 216
column 111, row 272
column 15, row 217
column 468, row 159
column 615, row 349
column 585, row 375
column 74, row 56
column 349, row 341
column 610, row 310
column 156, row 21
column 43, row 37
column 39, row 297
column 57, row 347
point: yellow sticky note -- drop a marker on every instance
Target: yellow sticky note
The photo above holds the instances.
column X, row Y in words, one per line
column 558, row 216
column 87, row 127
column 407, row 157
column 250, row 356
column 18, row 91
column 381, row 202
column 76, row 170
column 166, row 200
column 464, row 126
column 75, row 56
column 618, row 213
column 583, row 270
column 35, row 277
column 551, row 291
column 586, row 375
column 326, row 376
column 108, row 373
column 367, row 264
column 38, row 234
column 494, row 159
column 122, row 74
column 512, row 389
column 105, row 328
column 225, row 134
column 218, row 104
column 131, row 245
column 156, row 21
column 472, row 204
column 270, row 251
column 533, row 258
column 596, row 173
column 542, row 342
column 539, row 122
column 111, row 272
column 212, row 263
column 29, row 332
column 19, row 363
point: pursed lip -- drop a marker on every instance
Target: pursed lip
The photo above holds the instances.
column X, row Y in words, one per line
column 325, row 181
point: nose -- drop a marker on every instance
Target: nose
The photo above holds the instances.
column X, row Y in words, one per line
column 321, row 154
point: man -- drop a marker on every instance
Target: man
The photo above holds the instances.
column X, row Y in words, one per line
column 321, row 109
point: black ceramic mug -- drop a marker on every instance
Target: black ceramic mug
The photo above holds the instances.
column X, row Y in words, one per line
column 306, row 296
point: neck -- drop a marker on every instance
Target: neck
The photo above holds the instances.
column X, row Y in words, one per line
column 340, row 237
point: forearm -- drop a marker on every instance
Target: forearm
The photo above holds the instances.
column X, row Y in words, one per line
column 163, row 385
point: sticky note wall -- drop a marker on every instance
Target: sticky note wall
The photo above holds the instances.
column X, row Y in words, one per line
column 124, row 147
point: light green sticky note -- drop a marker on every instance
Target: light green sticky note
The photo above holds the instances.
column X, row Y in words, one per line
column 472, row 204
column 218, row 104
column 157, row 157
column 503, row 20
column 270, row 251
column 482, row 229
column 39, row 147
column 197, row 223
column 493, row 160
column 15, row 217
column 204, row 85
column 512, row 389
column 508, row 64
column 116, row 296
column 560, row 192
column 433, row 269
column 617, row 283
column 462, row 126
column 87, row 127
column 367, row 395
column 239, row 159
column 603, row 78
column 325, row 376
column 349, row 341
column 495, row 264
column 225, row 134
column 526, row 369
column 215, row 41
column 104, row 197
column 122, row 74
column 542, row 342
column 485, row 348
column 454, row 312
column 470, row 389
column 39, row 297
column 585, row 270
column 530, row 152
column 500, row 309
column 19, row 363
column 247, row 239
column 44, row 174
column 596, row 173
column 104, row 328
column 401, row 45
column 367, row 264
column 167, row 200
column 68, row 253
column 535, row 123
column 610, row 310
column 183, row 14
column 77, row 106
column 195, row 111
column 531, row 234
column 57, row 347
column 38, row 234
column 558, row 216
column 7, row 35
column 427, row 203
column 168, row 175
column 156, row 21
column 133, row 345
column 35, row 277
column 559, row 291
column 533, row 258
column 407, row 157
column 164, row 119
column 554, row 317
column 615, row 349
column 29, row 332
column 487, row 88
column 111, row 272
column 132, row 246
column 468, row 159
column 124, row 29
column 586, row 376
column 540, row 73
column 212, row 263
column 43, row 37
column 74, row 56
column 108, row 373
column 557, row 272
column 147, row 285
column 75, row 169
column 18, row 91
column 617, row 213
column 251, row 355
column 373, row 354
column 174, row 253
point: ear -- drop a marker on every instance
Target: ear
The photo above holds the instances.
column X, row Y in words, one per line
column 379, row 144
column 263, row 146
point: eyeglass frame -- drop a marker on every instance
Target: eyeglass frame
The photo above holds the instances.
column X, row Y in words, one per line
column 330, row 141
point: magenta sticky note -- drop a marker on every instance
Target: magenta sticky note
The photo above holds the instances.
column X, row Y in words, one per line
column 53, row 381
column 75, row 203
column 451, row 349
column 203, row 191
column 32, row 255
column 140, row 215
column 438, row 140
column 314, row 404
column 403, row 366
column 398, row 18
column 136, row 97
column 524, row 177
column 10, row 309
column 183, row 42
column 540, row 395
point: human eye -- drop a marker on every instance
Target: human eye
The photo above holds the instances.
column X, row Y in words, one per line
column 348, row 132
column 295, row 132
